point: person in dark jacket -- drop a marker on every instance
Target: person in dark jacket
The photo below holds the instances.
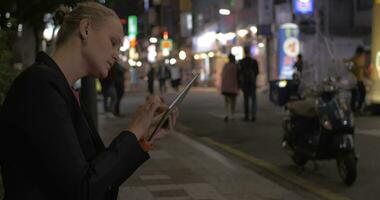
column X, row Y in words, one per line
column 117, row 72
column 48, row 148
column 151, row 74
column 298, row 65
column 109, row 93
column 163, row 74
column 247, row 75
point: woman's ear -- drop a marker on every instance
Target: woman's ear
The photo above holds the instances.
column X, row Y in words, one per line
column 84, row 26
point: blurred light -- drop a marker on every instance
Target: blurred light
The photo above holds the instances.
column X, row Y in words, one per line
column 146, row 5
column 224, row 12
column 211, row 54
column 253, row 29
column 282, row 84
column 125, row 45
column 182, row 55
column 153, row 40
column 377, row 63
column 19, row 30
column 203, row 55
column 167, row 61
column 238, row 52
column 7, row 15
column 224, row 38
column 152, row 53
column 196, row 57
column 173, row 61
column 242, row 32
column 189, row 22
column 261, row 45
column 138, row 63
column 131, row 62
column 56, row 30
column 48, row 32
column 206, row 38
column 254, row 50
column 165, row 52
column 166, row 35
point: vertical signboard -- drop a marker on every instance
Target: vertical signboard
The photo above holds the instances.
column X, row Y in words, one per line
column 288, row 50
column 265, row 12
column 132, row 26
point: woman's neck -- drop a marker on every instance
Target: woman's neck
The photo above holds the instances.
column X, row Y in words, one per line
column 70, row 61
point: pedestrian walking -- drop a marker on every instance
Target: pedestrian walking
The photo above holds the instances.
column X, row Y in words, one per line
column 48, row 148
column 230, row 87
column 117, row 72
column 247, row 75
column 163, row 74
column 109, row 93
column 175, row 76
column 151, row 76
column 359, row 69
column 298, row 65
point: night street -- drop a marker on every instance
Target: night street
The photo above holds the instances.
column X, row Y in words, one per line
column 277, row 99
column 257, row 146
column 202, row 112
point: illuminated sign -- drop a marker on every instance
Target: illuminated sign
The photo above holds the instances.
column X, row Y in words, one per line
column 132, row 26
column 289, row 48
column 167, row 44
column 303, row 6
column 378, row 63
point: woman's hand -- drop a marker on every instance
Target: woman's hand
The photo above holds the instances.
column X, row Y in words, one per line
column 165, row 130
column 144, row 117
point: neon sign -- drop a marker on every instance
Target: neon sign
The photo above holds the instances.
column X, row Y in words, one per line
column 303, row 7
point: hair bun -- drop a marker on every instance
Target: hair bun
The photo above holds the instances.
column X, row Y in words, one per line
column 60, row 14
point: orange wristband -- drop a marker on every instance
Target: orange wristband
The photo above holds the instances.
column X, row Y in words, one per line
column 145, row 145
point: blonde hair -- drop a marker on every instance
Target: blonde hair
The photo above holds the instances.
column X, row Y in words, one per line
column 69, row 19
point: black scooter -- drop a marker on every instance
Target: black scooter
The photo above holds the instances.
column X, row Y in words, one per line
column 328, row 134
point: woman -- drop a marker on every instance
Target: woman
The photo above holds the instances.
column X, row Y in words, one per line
column 48, row 149
column 230, row 86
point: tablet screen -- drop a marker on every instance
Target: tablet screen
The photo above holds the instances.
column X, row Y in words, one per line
column 178, row 99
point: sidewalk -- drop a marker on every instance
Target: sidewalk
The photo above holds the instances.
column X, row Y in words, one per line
column 183, row 169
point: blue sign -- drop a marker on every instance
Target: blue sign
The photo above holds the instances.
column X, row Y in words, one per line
column 303, row 7
column 288, row 50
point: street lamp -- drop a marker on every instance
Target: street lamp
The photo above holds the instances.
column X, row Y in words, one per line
column 224, row 11
column 253, row 29
column 242, row 32
column 182, row 55
column 153, row 40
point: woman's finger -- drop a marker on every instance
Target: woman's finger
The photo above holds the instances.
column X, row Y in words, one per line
column 157, row 118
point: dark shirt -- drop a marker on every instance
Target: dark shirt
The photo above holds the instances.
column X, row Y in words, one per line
column 49, row 150
column 248, row 71
column 298, row 66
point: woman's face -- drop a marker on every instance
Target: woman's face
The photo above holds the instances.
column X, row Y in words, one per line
column 102, row 46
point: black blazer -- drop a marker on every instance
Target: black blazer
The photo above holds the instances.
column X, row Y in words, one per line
column 47, row 148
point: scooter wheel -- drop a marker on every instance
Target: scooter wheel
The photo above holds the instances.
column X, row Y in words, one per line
column 347, row 168
column 299, row 160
